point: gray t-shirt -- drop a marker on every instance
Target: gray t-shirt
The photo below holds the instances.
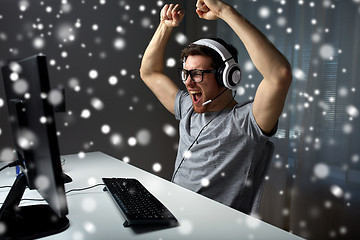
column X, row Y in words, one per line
column 222, row 164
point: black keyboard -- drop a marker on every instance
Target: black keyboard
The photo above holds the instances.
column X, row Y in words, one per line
column 136, row 203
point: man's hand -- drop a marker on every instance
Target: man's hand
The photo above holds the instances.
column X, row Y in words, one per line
column 172, row 15
column 209, row 9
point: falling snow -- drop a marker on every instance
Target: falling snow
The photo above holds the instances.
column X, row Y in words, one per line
column 93, row 74
column 88, row 204
column 169, row 130
column 157, row 167
column 55, row 97
column 186, row 227
column 143, row 137
column 264, row 12
column 336, row 191
column 97, row 103
column 132, row 141
column 116, row 139
column 321, row 170
column 181, row 38
column 119, row 43
column 42, row 183
column 105, row 129
column 26, row 139
column 81, row 155
column 2, row 228
column 171, row 62
column 97, row 62
column 326, row 51
column 6, row 154
column 85, row 113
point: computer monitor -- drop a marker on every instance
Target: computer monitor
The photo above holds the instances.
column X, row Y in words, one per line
column 32, row 121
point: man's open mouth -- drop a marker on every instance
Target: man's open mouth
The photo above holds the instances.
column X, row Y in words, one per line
column 196, row 96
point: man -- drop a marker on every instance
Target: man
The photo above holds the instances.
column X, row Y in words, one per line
column 222, row 143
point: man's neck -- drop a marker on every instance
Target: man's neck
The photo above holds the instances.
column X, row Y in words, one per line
column 224, row 101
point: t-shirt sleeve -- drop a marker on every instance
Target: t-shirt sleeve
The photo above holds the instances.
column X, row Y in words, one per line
column 182, row 104
column 268, row 135
column 247, row 121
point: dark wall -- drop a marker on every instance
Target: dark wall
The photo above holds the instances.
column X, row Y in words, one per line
column 313, row 185
column 109, row 38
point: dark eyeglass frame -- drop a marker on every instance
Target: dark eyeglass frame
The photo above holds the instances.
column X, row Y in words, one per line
column 190, row 72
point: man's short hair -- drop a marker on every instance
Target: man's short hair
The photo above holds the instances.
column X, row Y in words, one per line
column 194, row 49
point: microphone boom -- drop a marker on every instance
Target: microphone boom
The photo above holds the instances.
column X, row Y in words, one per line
column 209, row 101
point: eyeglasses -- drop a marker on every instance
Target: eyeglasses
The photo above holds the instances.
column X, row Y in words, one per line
column 196, row 75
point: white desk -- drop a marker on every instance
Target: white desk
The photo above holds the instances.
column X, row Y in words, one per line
column 93, row 214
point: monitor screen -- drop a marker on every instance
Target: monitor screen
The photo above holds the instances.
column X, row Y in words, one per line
column 31, row 115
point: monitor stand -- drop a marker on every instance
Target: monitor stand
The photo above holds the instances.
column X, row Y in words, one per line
column 28, row 222
column 66, row 178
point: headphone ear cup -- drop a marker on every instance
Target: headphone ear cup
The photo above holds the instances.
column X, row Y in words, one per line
column 182, row 75
column 231, row 76
column 234, row 76
column 220, row 75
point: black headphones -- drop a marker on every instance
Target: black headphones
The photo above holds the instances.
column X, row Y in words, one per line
column 229, row 74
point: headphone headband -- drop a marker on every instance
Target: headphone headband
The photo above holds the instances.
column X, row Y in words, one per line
column 220, row 49
column 230, row 73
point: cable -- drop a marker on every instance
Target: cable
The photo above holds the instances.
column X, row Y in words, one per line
column 33, row 199
column 12, row 164
column 69, row 191
column 85, row 188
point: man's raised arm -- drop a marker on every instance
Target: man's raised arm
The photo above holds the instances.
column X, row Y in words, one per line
column 275, row 69
column 151, row 71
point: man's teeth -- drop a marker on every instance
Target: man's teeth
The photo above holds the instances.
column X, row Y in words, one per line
column 194, row 92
